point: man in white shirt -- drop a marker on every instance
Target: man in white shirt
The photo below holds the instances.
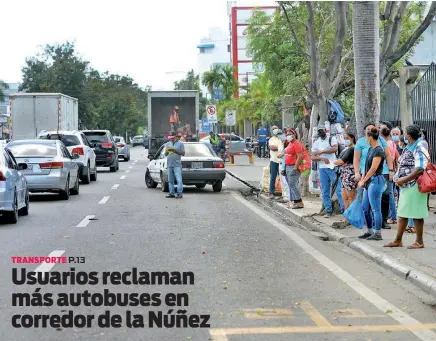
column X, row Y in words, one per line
column 275, row 146
column 324, row 152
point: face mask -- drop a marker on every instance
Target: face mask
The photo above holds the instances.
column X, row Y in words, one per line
column 322, row 134
column 347, row 142
column 275, row 131
column 401, row 147
column 289, row 138
column 281, row 137
column 395, row 138
column 406, row 141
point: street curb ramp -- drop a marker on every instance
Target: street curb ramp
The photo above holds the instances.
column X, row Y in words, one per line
column 420, row 279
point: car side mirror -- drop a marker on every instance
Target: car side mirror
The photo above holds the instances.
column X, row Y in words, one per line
column 75, row 156
column 150, row 157
column 22, row 166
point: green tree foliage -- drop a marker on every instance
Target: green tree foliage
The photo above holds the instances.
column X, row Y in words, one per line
column 3, row 86
column 221, row 77
column 192, row 82
column 106, row 101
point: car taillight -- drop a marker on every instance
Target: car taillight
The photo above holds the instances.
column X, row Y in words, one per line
column 78, row 150
column 51, row 165
column 120, row 145
column 106, row 144
column 218, row 165
column 2, row 176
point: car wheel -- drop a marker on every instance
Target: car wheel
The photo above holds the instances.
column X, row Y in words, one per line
column 113, row 169
column 65, row 194
column 164, row 184
column 126, row 158
column 149, row 182
column 199, row 186
column 94, row 175
column 118, row 165
column 13, row 216
column 86, row 179
column 217, row 186
column 25, row 209
column 75, row 190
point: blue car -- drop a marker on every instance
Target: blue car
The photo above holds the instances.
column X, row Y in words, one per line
column 14, row 193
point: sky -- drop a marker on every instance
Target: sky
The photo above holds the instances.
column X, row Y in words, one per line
column 154, row 42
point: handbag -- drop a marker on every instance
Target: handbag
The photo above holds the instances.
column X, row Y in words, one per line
column 427, row 180
column 306, row 162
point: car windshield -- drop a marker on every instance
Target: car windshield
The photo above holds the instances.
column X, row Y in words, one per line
column 118, row 139
column 197, row 150
column 97, row 136
column 70, row 140
column 33, row 149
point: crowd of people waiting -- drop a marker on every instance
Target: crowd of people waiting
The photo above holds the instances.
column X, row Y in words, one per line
column 380, row 169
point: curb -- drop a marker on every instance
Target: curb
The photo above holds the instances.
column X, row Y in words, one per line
column 418, row 278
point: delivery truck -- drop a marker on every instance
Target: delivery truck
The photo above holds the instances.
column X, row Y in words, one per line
column 160, row 107
column 32, row 113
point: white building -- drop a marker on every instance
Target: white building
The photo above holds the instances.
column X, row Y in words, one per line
column 212, row 50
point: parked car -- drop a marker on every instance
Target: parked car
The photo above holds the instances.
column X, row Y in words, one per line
column 105, row 148
column 77, row 143
column 50, row 166
column 14, row 194
column 145, row 141
column 200, row 165
column 234, row 143
column 137, row 141
column 123, row 148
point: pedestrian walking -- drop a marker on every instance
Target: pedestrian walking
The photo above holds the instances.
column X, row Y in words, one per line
column 293, row 157
column 373, row 184
column 345, row 161
column 412, row 203
column 174, row 151
column 261, row 140
column 324, row 152
column 392, row 212
column 276, row 146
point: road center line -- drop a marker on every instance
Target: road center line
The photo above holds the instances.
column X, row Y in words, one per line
column 103, row 200
column 115, row 186
column 46, row 267
column 372, row 297
column 128, row 171
column 130, row 167
column 122, row 177
column 85, row 221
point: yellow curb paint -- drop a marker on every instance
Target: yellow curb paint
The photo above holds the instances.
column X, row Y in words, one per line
column 267, row 313
column 314, row 314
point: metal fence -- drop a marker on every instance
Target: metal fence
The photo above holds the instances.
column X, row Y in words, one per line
column 424, row 106
column 390, row 104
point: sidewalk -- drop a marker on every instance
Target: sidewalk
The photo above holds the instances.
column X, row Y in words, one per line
column 417, row 266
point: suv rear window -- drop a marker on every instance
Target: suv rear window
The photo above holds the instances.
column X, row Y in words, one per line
column 94, row 137
column 117, row 139
column 197, row 150
column 33, row 149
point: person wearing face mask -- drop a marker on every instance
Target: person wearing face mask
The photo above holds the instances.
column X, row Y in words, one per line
column 293, row 157
column 275, row 146
column 345, row 161
column 395, row 134
column 412, row 203
column 323, row 151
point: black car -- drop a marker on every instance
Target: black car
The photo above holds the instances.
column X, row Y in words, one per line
column 105, row 148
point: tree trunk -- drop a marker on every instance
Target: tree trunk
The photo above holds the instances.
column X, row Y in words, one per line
column 366, row 63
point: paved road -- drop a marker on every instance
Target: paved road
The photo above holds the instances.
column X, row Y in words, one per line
column 257, row 278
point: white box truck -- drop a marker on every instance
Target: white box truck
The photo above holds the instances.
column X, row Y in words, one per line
column 32, row 113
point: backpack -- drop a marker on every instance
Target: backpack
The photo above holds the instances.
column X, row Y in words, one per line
column 335, row 113
column 340, row 147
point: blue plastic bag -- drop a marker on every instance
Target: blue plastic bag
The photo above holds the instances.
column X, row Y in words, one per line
column 354, row 214
column 336, row 115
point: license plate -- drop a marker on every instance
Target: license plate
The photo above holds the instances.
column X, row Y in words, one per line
column 197, row 165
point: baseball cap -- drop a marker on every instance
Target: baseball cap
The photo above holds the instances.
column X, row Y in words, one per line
column 176, row 108
column 321, row 127
column 387, row 124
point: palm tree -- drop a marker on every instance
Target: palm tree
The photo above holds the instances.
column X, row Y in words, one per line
column 229, row 82
column 212, row 79
column 3, row 86
column 366, row 63
column 221, row 77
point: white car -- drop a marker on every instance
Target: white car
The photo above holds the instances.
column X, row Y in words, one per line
column 76, row 143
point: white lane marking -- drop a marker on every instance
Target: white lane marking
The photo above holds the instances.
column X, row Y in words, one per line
column 128, row 171
column 85, row 221
column 115, row 186
column 46, row 267
column 103, row 200
column 372, row 297
column 122, row 177
column 130, row 167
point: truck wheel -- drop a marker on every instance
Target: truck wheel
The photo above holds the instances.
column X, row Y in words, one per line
column 149, row 182
column 217, row 186
column 86, row 178
column 164, row 184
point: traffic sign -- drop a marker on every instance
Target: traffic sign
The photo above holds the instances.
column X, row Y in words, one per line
column 231, row 117
column 211, row 114
column 205, row 126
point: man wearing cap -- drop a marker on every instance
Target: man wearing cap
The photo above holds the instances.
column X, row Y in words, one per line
column 174, row 119
column 275, row 145
column 174, row 151
column 324, row 152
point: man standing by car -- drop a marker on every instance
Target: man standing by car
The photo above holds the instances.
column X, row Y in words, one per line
column 174, row 151
column 175, row 119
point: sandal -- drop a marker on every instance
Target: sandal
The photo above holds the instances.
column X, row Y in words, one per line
column 416, row 245
column 391, row 221
column 394, row 244
column 410, row 229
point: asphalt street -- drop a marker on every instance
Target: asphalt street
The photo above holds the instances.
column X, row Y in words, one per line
column 256, row 276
